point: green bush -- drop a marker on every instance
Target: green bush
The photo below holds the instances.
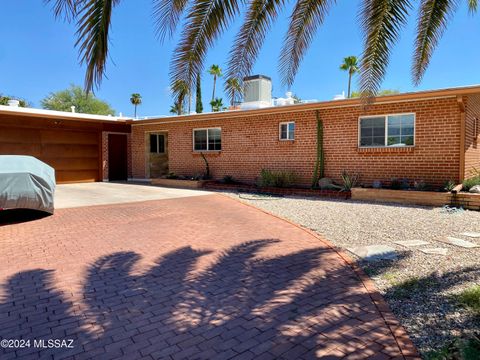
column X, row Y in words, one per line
column 270, row 178
column 449, row 185
column 229, row 179
column 349, row 181
column 469, row 183
column 470, row 298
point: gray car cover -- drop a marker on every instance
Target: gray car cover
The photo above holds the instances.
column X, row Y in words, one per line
column 26, row 183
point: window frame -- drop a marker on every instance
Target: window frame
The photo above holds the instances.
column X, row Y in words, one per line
column 288, row 132
column 208, row 150
column 164, row 143
column 385, row 116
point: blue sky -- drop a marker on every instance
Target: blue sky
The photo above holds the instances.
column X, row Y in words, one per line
column 37, row 56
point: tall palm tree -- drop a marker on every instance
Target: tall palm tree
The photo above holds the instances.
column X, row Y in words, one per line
column 198, row 101
column 233, row 89
column 350, row 64
column 180, row 91
column 206, row 20
column 136, row 99
column 215, row 71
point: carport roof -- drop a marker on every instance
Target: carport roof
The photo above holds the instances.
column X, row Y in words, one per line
column 64, row 115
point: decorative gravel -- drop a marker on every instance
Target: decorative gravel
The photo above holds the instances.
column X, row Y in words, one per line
column 420, row 288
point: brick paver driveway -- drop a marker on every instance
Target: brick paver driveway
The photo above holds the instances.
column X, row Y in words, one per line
column 202, row 277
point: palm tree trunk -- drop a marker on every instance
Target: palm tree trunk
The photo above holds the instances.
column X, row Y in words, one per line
column 135, row 116
column 189, row 102
column 349, row 83
column 233, row 98
column 214, row 84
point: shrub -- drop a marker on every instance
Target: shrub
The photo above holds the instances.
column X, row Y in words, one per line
column 277, row 178
column 470, row 298
column 349, row 181
column 420, row 185
column 449, row 185
column 172, row 175
column 471, row 182
column 228, row 179
column 399, row 184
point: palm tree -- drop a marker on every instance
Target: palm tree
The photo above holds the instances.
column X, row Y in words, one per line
column 174, row 109
column 350, row 64
column 136, row 99
column 217, row 104
column 233, row 89
column 206, row 20
column 215, row 71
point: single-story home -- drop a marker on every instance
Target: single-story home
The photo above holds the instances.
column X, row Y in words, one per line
column 428, row 135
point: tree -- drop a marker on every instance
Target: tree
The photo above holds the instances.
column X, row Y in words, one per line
column 215, row 71
column 21, row 102
column 198, row 103
column 84, row 102
column 296, row 99
column 217, row 104
column 174, row 109
column 180, row 91
column 136, row 99
column 233, row 89
column 205, row 21
column 350, row 64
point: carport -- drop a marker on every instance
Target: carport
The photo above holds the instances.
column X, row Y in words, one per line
column 77, row 146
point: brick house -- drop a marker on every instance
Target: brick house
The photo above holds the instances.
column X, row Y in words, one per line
column 429, row 135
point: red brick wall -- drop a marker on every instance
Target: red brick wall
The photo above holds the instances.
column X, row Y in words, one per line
column 472, row 134
column 251, row 143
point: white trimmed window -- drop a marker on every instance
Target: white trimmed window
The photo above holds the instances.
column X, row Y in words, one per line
column 287, row 130
column 387, row 130
column 207, row 139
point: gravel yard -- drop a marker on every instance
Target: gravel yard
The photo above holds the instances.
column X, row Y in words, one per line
column 420, row 288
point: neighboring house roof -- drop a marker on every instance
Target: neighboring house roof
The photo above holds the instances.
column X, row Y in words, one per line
column 64, row 115
column 410, row 96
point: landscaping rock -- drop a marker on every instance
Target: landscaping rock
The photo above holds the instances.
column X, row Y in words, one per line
column 327, row 184
column 374, row 252
column 471, row 234
column 435, row 251
column 412, row 243
column 475, row 189
column 461, row 243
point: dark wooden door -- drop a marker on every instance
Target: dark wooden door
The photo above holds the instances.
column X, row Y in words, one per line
column 117, row 157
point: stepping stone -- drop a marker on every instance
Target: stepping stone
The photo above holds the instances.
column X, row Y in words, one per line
column 462, row 243
column 374, row 252
column 411, row 243
column 435, row 251
column 471, row 234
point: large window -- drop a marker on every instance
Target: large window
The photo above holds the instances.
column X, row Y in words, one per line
column 207, row 139
column 157, row 143
column 387, row 130
column 287, row 130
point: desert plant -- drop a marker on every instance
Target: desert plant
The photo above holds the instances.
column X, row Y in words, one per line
column 471, row 182
column 228, row 179
column 349, row 180
column 172, row 175
column 277, row 178
column 318, row 172
column 449, row 185
column 420, row 185
column 470, row 298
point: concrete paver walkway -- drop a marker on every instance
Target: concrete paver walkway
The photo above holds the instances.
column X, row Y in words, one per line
column 202, row 277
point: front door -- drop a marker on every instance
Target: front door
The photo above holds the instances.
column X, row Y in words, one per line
column 117, row 157
column 158, row 154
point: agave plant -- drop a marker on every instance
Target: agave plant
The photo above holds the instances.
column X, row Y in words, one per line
column 206, row 20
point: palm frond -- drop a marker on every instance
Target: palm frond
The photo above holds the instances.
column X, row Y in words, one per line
column 93, row 25
column 432, row 22
column 472, row 6
column 205, row 21
column 66, row 9
column 307, row 16
column 249, row 39
column 166, row 15
column 381, row 21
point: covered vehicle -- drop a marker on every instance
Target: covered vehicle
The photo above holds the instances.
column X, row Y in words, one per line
column 26, row 183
